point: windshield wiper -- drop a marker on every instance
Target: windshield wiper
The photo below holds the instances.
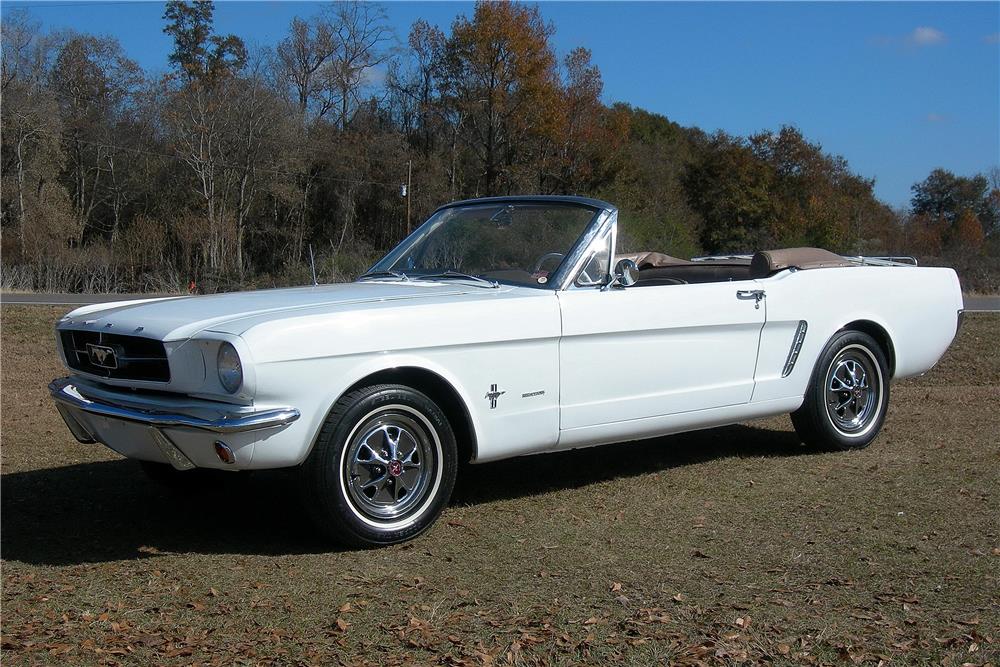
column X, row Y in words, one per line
column 450, row 274
column 398, row 275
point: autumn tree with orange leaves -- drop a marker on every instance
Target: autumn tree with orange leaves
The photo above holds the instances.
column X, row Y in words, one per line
column 500, row 79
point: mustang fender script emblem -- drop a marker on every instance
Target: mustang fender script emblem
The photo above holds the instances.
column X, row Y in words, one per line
column 102, row 356
column 493, row 395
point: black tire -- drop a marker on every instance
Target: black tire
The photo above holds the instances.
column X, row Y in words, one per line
column 848, row 395
column 355, row 479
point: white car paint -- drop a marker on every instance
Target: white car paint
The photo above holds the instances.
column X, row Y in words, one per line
column 534, row 369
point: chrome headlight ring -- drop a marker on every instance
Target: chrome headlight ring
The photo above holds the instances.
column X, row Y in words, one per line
column 230, row 367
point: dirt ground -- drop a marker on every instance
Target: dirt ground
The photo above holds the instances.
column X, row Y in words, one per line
column 734, row 545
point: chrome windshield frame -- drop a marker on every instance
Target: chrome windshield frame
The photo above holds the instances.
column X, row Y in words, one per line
column 584, row 249
column 605, row 215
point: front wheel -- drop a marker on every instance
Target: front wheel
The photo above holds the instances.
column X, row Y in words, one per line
column 847, row 398
column 383, row 466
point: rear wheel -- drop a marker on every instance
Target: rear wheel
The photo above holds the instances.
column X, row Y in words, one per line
column 847, row 398
column 382, row 468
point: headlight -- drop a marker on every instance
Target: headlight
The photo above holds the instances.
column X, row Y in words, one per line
column 230, row 368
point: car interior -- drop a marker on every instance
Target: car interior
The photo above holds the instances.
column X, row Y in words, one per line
column 657, row 269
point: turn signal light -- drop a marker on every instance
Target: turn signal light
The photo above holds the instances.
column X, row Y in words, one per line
column 224, row 453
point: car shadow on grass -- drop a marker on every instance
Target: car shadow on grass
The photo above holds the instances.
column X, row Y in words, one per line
column 531, row 475
column 109, row 510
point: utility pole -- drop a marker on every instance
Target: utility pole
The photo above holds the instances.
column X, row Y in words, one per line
column 409, row 174
column 859, row 231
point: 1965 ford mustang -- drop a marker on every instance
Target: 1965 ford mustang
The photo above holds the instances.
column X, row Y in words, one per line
column 500, row 327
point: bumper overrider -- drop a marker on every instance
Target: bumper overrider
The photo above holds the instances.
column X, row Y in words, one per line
column 183, row 432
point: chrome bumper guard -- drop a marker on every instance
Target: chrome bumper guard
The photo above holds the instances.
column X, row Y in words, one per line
column 65, row 392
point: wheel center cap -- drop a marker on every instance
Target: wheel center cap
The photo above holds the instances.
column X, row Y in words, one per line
column 395, row 467
column 857, row 392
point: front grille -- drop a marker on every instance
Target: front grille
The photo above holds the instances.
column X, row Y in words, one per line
column 115, row 356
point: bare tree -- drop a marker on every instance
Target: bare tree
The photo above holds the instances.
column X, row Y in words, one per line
column 359, row 33
column 92, row 81
column 32, row 158
column 301, row 55
column 256, row 111
column 413, row 86
column 328, row 59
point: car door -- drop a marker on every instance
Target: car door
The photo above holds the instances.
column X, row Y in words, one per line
column 649, row 351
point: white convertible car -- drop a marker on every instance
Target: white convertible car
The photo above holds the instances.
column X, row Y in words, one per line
column 500, row 327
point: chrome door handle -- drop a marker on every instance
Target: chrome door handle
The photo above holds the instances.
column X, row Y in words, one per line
column 755, row 294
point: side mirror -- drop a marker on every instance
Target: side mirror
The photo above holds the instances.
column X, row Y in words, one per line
column 625, row 274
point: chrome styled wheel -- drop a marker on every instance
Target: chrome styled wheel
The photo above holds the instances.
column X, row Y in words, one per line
column 389, row 464
column 853, row 387
column 382, row 468
column 845, row 404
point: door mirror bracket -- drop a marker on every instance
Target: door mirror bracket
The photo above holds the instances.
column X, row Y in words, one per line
column 625, row 274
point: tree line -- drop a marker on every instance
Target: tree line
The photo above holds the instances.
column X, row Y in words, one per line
column 227, row 170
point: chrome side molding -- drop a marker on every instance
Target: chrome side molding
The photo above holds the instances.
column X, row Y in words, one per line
column 793, row 351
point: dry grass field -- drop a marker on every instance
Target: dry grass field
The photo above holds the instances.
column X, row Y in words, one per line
column 734, row 545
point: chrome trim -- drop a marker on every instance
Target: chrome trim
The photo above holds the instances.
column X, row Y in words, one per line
column 580, row 253
column 713, row 258
column 863, row 260
column 793, row 351
column 961, row 320
column 854, row 391
column 897, row 260
column 757, row 295
column 563, row 276
column 66, row 392
column 389, row 468
column 625, row 274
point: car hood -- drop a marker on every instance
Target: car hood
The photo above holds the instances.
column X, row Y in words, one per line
column 177, row 318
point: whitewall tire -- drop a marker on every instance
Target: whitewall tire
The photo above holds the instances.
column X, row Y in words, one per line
column 383, row 467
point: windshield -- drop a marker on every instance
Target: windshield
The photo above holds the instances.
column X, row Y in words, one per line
column 513, row 243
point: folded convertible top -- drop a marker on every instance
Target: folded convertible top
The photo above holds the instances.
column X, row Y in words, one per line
column 766, row 262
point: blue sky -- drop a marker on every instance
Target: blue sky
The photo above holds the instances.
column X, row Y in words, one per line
column 896, row 88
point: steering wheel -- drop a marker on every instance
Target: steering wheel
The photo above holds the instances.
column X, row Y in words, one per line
column 558, row 255
column 544, row 258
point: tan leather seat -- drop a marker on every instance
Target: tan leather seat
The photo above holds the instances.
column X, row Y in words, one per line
column 768, row 262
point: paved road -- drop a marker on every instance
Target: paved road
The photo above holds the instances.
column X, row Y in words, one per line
column 39, row 299
column 989, row 304
column 972, row 303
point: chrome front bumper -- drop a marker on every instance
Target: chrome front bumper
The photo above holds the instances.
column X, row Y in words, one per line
column 79, row 403
column 66, row 392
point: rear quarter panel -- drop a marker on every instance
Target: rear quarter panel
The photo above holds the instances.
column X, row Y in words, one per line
column 916, row 306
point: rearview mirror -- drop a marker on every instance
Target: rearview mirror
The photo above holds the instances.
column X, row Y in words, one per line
column 625, row 274
column 504, row 217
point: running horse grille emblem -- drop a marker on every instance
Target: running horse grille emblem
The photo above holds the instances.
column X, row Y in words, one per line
column 493, row 395
column 102, row 356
